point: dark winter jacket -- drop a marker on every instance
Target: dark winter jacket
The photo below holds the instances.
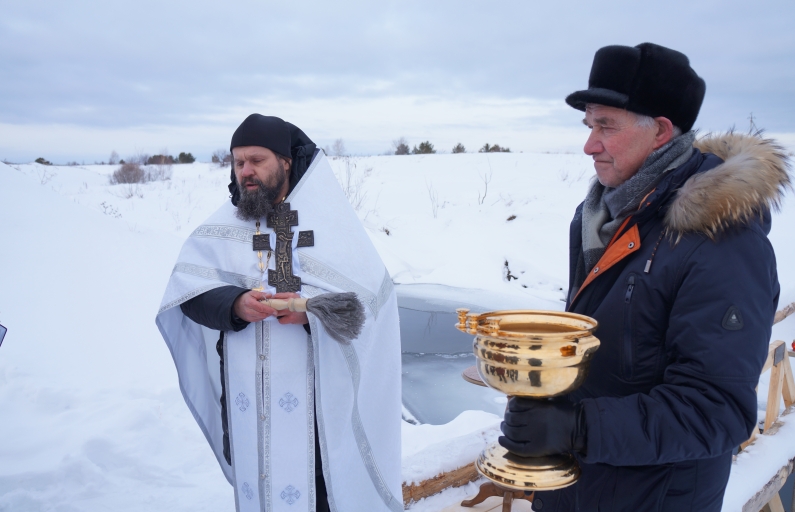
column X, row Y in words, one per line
column 685, row 297
column 213, row 309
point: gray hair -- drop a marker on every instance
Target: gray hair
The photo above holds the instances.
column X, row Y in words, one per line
column 648, row 122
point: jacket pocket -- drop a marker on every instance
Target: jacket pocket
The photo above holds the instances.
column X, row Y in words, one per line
column 641, row 488
column 627, row 345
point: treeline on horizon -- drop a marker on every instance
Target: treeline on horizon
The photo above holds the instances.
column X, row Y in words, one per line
column 223, row 157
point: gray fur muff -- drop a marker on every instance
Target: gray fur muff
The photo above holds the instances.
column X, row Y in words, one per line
column 342, row 314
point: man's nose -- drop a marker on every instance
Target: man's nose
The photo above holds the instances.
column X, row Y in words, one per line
column 248, row 170
column 593, row 145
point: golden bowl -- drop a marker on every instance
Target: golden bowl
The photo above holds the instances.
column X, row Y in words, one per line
column 533, row 354
column 537, row 354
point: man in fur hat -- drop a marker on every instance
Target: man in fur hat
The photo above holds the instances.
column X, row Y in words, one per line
column 669, row 253
column 296, row 419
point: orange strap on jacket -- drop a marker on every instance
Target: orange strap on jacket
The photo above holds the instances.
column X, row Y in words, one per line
column 617, row 250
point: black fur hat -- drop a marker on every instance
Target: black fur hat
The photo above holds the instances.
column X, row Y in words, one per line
column 649, row 79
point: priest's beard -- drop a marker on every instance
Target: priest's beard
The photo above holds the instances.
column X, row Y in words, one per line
column 257, row 204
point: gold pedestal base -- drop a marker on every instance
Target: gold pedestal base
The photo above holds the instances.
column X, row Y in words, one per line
column 527, row 473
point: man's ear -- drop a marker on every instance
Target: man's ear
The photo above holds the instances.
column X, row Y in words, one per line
column 665, row 132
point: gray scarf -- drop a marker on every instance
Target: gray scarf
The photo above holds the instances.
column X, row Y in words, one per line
column 606, row 208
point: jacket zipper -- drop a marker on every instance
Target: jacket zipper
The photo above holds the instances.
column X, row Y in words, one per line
column 630, row 288
column 628, row 355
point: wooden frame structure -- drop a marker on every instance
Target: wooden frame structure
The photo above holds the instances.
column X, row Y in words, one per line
column 782, row 386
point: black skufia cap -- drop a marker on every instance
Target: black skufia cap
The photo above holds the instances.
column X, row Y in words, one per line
column 264, row 131
column 649, row 79
column 279, row 136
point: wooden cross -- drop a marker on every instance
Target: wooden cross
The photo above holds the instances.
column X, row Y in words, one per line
column 282, row 220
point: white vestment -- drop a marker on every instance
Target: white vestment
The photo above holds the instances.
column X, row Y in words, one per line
column 277, row 376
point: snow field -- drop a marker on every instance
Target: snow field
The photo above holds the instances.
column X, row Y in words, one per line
column 92, row 418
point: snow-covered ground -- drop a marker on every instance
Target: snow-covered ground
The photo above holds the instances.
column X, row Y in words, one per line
column 92, row 418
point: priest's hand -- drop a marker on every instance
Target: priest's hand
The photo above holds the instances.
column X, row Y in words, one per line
column 249, row 308
column 286, row 316
column 534, row 428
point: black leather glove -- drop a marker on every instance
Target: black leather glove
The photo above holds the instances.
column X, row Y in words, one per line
column 534, row 428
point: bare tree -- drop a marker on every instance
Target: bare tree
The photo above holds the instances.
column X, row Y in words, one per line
column 338, row 148
column 222, row 157
column 139, row 157
column 486, row 180
column 752, row 129
column 45, row 175
column 114, row 158
column 352, row 185
column 162, row 163
column 401, row 146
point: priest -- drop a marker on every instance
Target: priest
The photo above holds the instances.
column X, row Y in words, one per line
column 297, row 420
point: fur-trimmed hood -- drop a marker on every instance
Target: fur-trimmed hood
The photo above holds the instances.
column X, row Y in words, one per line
column 752, row 179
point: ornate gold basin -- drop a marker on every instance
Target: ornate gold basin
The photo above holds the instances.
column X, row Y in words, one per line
column 534, row 354
column 539, row 354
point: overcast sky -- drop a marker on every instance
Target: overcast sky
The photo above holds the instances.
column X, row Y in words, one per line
column 79, row 79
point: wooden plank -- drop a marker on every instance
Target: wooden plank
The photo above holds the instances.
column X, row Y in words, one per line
column 788, row 390
column 771, row 350
column 774, row 395
column 770, row 489
column 751, row 439
column 784, row 313
column 774, row 505
column 778, row 424
column 437, row 484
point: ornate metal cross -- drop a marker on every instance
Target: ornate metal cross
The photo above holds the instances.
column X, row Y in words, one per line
column 282, row 220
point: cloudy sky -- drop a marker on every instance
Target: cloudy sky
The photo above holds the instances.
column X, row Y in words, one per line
column 81, row 78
